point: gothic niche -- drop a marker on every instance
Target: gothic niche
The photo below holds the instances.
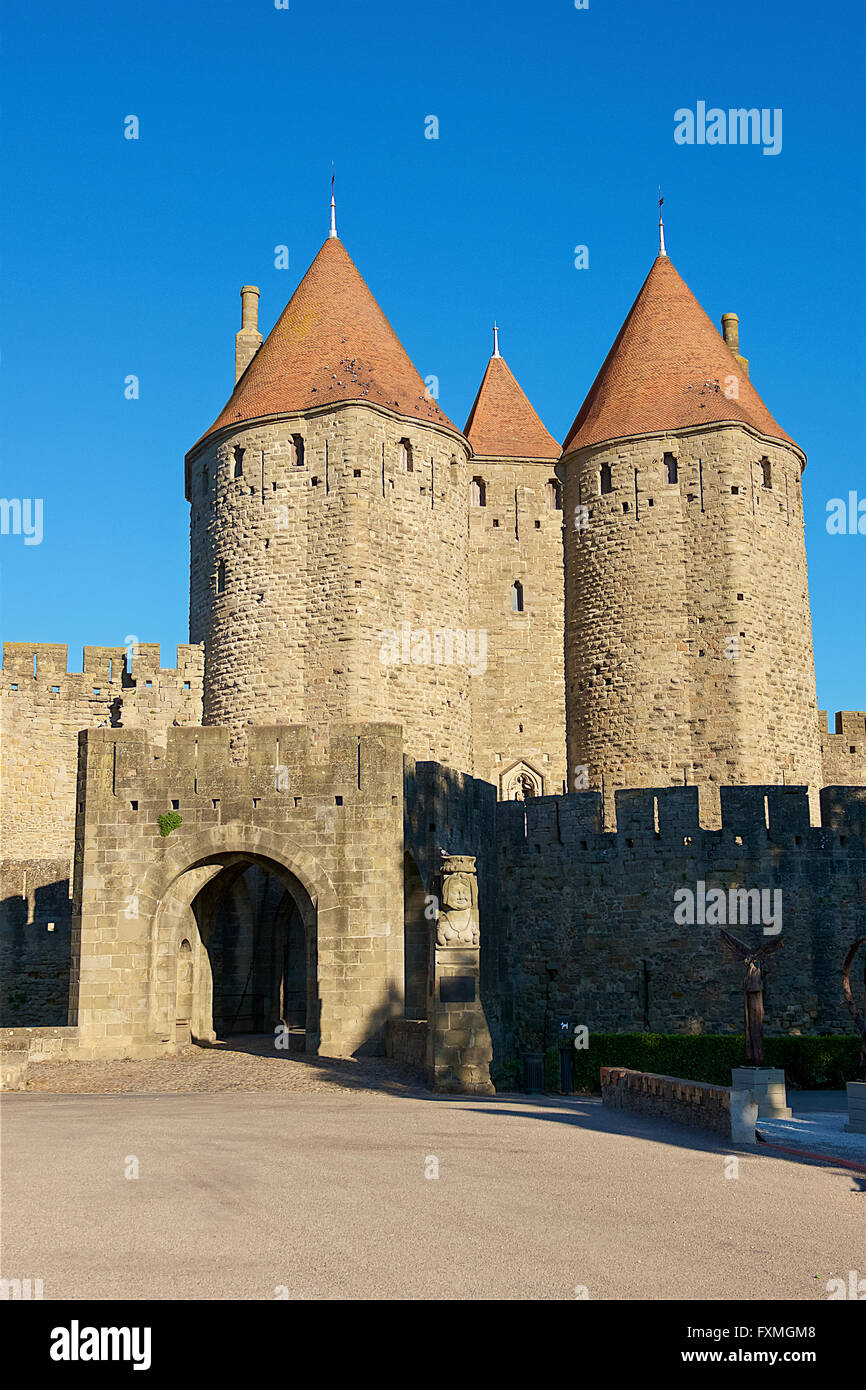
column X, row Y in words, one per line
column 521, row 783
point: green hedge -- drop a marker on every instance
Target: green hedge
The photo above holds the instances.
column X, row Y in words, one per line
column 809, row 1063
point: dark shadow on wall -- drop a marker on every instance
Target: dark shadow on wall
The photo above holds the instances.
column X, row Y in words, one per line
column 35, row 957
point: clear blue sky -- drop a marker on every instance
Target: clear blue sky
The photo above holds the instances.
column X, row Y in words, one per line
column 556, row 125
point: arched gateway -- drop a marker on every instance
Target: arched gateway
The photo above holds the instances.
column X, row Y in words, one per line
column 284, row 878
column 247, row 909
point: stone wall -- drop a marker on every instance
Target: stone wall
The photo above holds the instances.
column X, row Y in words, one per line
column 843, row 752
column 406, row 1041
column 35, row 935
column 586, row 923
column 44, row 706
column 688, row 632
column 321, row 810
column 312, row 547
column 693, row 1103
column 518, row 702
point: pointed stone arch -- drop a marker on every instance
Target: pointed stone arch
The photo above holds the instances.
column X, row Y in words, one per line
column 520, row 782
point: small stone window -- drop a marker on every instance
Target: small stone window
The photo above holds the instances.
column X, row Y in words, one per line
column 298, row 449
column 767, row 473
column 553, row 495
column 671, row 470
column 186, row 685
column 517, row 597
column 405, row 457
column 55, row 690
column 221, row 577
column 478, row 493
column 239, row 462
column 605, row 479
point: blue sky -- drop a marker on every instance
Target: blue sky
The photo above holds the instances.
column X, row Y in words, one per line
column 555, row 128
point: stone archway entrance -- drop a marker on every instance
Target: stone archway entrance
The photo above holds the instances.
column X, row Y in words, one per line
column 236, row 951
column 260, row 955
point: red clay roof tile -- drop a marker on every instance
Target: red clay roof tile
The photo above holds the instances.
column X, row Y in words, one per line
column 667, row 370
column 502, row 423
column 331, row 343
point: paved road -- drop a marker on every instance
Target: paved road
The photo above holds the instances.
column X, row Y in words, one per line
column 326, row 1196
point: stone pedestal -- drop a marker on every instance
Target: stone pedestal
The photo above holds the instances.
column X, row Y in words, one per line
column 768, row 1085
column 459, row 1049
column 856, row 1107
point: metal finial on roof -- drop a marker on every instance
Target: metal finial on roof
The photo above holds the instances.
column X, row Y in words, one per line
column 333, row 231
column 496, row 352
column 662, row 251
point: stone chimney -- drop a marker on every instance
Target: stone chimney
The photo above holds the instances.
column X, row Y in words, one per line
column 249, row 339
column 731, row 335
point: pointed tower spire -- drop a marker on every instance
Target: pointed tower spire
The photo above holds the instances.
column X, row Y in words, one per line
column 333, row 231
column 502, row 423
column 662, row 251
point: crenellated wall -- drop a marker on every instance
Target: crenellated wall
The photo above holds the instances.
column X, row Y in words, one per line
column 587, row 927
column 322, row 810
column 843, row 750
column 42, row 709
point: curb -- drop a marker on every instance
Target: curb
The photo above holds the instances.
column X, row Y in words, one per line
column 815, row 1157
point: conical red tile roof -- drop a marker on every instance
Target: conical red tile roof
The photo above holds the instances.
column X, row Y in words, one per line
column 667, row 370
column 331, row 343
column 503, row 423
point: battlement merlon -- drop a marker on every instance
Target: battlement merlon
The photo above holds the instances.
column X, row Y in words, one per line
column 50, row 659
column 850, row 723
column 669, row 817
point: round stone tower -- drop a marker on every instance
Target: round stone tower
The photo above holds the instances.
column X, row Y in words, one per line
column 329, row 548
column 688, row 631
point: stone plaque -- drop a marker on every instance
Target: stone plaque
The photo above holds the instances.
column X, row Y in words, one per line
column 457, row 989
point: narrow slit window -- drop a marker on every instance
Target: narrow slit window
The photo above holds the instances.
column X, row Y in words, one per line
column 672, row 471
column 606, row 479
column 221, row 577
column 478, row 493
column 298, row 449
column 517, row 597
column 767, row 473
column 553, row 495
column 239, row 462
column 405, row 457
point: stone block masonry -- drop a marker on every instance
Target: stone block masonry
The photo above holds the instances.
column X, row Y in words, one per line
column 321, row 811
column 843, row 750
column 586, row 923
column 518, row 703
column 688, row 633
column 693, row 1103
column 44, row 706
